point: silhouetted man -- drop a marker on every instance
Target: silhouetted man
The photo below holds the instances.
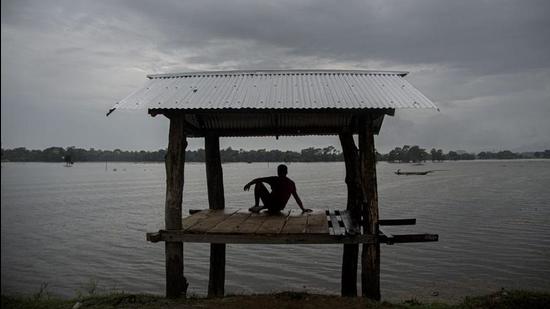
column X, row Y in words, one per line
column 281, row 189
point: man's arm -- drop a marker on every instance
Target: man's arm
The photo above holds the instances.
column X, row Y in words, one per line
column 299, row 202
column 254, row 181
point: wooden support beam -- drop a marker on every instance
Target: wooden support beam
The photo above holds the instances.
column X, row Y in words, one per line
column 353, row 182
column 396, row 239
column 176, row 284
column 286, row 239
column 216, row 200
column 397, row 222
column 370, row 256
column 251, row 238
column 214, row 173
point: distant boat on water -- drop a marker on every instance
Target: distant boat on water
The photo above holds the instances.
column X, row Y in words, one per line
column 399, row 172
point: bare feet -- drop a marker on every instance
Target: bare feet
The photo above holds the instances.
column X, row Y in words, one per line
column 255, row 209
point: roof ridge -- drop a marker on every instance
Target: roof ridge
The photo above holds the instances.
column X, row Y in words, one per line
column 277, row 72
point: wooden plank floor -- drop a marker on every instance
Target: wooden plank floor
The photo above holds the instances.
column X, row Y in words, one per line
column 244, row 222
column 287, row 227
column 242, row 226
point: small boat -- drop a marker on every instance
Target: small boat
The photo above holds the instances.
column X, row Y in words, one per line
column 399, row 172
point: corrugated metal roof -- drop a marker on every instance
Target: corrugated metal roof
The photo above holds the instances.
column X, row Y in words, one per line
column 274, row 89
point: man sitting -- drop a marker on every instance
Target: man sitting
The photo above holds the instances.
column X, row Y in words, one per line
column 281, row 189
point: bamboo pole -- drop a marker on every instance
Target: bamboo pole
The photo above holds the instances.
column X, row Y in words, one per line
column 216, row 200
column 370, row 256
column 176, row 284
column 353, row 182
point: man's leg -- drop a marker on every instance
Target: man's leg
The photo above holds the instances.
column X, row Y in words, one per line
column 260, row 193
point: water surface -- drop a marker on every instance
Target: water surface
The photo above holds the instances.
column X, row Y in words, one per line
column 78, row 227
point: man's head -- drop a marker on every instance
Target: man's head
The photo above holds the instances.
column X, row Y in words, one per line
column 282, row 170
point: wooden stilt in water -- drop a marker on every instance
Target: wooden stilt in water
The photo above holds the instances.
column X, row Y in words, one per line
column 216, row 200
column 370, row 256
column 176, row 284
column 353, row 182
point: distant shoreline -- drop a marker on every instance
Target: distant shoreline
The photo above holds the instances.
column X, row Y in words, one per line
column 405, row 154
column 282, row 162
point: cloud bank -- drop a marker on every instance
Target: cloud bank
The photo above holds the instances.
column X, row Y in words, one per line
column 485, row 63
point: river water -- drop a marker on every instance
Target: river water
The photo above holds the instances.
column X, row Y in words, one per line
column 84, row 227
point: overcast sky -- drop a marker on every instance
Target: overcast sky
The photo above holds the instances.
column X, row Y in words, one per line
column 486, row 64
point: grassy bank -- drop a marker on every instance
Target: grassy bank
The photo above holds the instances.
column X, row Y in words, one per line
column 502, row 299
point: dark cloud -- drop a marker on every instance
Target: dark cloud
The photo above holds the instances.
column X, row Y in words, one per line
column 485, row 36
column 485, row 63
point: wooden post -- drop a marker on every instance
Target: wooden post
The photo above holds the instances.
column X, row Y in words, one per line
column 370, row 256
column 216, row 200
column 176, row 284
column 353, row 182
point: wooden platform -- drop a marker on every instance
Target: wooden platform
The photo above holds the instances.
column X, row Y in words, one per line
column 288, row 227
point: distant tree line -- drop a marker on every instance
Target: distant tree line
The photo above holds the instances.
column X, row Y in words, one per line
column 59, row 154
column 403, row 154
column 414, row 154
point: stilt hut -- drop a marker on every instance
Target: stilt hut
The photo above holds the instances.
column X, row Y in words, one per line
column 276, row 103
